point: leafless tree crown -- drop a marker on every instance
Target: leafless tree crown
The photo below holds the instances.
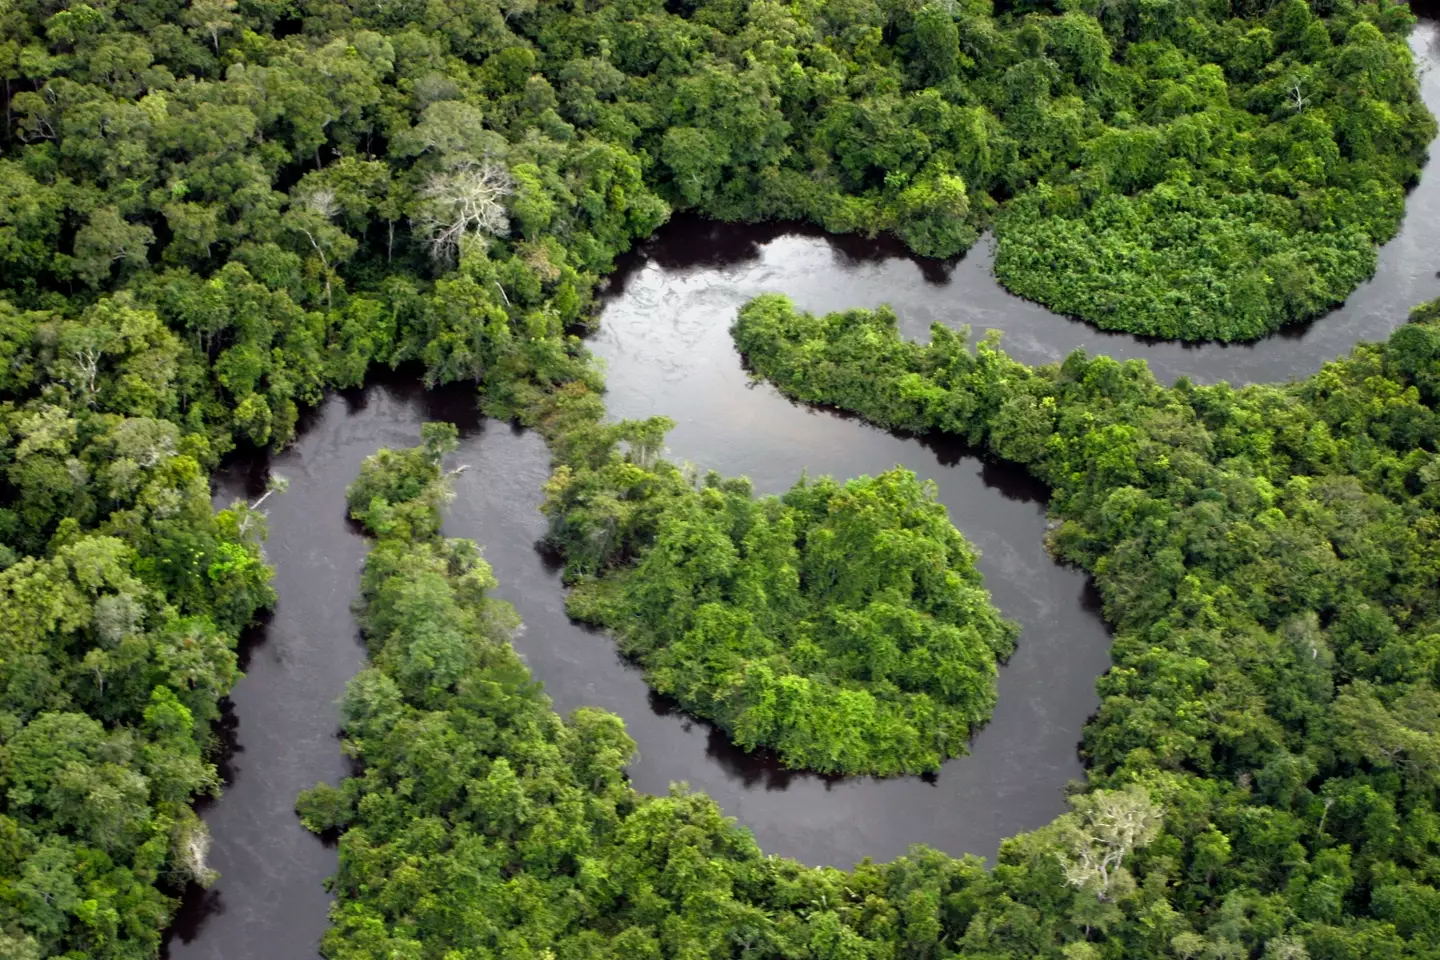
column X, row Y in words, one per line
column 1106, row 827
column 465, row 200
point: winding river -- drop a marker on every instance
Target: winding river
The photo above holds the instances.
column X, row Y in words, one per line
column 664, row 339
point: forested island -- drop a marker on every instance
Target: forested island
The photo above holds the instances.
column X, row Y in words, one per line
column 844, row 626
column 213, row 212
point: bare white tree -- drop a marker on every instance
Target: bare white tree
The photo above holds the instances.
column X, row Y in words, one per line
column 466, row 200
column 1298, row 100
column 213, row 16
column 323, row 202
column 518, row 8
column 250, row 512
column 84, row 348
column 1286, row 948
column 86, row 358
column 191, row 849
column 1105, row 828
column 317, row 210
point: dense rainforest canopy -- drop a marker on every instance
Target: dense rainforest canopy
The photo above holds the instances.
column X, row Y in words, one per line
column 1270, row 558
column 1265, row 763
column 485, row 827
column 843, row 625
column 275, row 177
column 211, row 212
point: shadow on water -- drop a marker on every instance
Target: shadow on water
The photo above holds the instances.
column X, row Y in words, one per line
column 664, row 339
column 227, row 746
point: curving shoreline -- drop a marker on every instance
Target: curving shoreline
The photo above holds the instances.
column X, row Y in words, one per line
column 270, row 898
column 824, row 273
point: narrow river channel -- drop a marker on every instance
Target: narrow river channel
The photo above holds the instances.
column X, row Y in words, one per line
column 664, row 339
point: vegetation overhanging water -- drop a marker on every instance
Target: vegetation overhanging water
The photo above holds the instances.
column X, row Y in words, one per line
column 663, row 337
column 136, row 361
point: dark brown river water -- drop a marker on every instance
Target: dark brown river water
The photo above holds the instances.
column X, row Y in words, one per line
column 664, row 339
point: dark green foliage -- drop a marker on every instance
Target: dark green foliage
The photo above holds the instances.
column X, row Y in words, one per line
column 121, row 596
column 1269, row 557
column 206, row 220
column 842, row 625
column 1180, row 169
column 392, row 493
column 1240, row 177
column 483, row 823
